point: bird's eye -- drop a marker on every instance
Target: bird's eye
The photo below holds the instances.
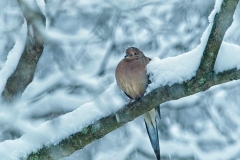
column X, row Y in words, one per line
column 135, row 53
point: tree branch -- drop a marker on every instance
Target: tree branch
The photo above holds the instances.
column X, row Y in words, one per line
column 204, row 80
column 130, row 112
column 221, row 23
column 24, row 72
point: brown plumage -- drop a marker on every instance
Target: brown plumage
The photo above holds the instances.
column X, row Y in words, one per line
column 131, row 73
column 132, row 78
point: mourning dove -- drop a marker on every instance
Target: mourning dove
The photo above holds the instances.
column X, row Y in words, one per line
column 132, row 79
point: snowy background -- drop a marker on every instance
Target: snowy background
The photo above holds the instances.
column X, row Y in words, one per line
column 74, row 83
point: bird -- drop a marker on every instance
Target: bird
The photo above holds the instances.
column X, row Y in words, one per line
column 132, row 79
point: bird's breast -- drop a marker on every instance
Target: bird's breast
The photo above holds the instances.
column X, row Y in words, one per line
column 131, row 77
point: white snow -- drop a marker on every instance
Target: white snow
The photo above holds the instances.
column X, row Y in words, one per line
column 228, row 57
column 183, row 67
column 64, row 125
column 41, row 4
column 13, row 57
column 219, row 101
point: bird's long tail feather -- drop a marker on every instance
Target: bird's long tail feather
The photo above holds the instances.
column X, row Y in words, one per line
column 150, row 122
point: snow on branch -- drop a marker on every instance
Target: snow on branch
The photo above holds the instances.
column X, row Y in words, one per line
column 205, row 79
column 222, row 21
column 24, row 72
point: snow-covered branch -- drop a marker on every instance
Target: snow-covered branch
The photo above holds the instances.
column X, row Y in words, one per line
column 221, row 23
column 204, row 80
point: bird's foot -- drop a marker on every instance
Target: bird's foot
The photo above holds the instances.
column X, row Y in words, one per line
column 130, row 101
column 140, row 97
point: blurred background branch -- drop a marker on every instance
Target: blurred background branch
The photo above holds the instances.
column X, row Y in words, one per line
column 23, row 75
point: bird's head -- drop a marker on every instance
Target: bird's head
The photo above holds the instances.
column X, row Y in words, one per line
column 133, row 53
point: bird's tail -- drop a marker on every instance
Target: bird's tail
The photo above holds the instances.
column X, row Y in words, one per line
column 151, row 125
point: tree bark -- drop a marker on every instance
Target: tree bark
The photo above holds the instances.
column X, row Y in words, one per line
column 204, row 79
column 23, row 75
column 221, row 23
